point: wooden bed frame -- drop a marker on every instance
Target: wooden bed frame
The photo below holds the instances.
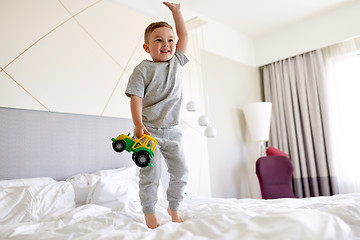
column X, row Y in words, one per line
column 58, row 145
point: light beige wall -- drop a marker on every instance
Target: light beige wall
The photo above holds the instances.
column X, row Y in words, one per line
column 228, row 86
column 319, row 31
column 68, row 56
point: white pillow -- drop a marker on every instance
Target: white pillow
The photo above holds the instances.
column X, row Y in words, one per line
column 114, row 185
column 85, row 183
column 118, row 186
column 26, row 182
column 33, row 202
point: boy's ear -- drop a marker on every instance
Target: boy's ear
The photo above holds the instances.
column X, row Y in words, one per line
column 146, row 48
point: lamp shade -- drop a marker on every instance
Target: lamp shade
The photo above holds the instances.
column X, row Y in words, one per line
column 258, row 116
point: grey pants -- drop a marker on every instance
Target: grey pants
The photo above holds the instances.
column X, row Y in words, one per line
column 169, row 148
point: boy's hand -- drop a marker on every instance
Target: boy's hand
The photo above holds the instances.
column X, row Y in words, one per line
column 172, row 6
column 140, row 131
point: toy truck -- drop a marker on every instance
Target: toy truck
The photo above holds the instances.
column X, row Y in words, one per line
column 143, row 148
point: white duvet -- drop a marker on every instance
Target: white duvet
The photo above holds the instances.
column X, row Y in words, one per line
column 336, row 217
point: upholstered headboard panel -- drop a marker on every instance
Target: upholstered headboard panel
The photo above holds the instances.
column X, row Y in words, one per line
column 58, row 145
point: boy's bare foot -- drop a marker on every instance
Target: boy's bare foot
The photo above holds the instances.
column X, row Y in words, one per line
column 151, row 220
column 175, row 217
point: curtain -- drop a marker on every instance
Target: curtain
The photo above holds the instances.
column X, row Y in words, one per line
column 299, row 126
column 343, row 77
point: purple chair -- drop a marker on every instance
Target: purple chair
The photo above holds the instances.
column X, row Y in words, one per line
column 275, row 177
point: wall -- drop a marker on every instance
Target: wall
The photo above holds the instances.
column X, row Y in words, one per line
column 316, row 32
column 66, row 58
column 228, row 86
column 234, row 45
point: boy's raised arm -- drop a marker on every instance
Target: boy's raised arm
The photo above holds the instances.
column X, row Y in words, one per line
column 179, row 25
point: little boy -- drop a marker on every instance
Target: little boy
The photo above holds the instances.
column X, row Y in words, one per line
column 155, row 90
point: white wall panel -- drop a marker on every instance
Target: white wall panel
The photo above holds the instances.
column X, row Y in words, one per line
column 22, row 23
column 119, row 103
column 138, row 55
column 75, row 6
column 67, row 71
column 117, row 29
column 14, row 96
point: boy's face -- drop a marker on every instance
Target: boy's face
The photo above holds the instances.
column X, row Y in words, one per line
column 161, row 45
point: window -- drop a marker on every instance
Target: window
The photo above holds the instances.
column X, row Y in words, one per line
column 346, row 74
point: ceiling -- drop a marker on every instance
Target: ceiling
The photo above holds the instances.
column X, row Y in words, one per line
column 251, row 17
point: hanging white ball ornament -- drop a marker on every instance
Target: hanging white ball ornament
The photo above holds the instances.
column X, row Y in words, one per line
column 203, row 120
column 191, row 106
column 210, row 132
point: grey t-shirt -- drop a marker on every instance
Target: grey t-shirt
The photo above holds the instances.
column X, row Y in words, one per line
column 159, row 85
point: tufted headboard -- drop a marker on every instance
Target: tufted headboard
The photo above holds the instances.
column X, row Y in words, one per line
column 59, row 145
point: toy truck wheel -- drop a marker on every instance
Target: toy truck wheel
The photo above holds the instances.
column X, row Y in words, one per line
column 141, row 158
column 119, row 145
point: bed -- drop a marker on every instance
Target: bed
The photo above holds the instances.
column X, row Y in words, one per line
column 60, row 179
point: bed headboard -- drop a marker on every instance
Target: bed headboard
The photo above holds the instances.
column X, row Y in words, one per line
column 59, row 145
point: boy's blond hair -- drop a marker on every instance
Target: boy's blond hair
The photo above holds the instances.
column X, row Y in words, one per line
column 154, row 26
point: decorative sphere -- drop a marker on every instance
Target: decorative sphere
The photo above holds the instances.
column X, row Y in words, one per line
column 191, row 106
column 210, row 132
column 203, row 120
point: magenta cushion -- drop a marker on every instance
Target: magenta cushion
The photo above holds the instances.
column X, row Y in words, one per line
column 271, row 151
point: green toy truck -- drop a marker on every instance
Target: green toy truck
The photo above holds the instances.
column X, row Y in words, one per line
column 143, row 148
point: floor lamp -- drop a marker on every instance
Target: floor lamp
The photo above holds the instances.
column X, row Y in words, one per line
column 258, row 116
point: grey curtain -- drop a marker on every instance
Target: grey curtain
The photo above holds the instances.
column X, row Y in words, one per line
column 296, row 87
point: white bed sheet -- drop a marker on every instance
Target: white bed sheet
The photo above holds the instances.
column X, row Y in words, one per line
column 335, row 217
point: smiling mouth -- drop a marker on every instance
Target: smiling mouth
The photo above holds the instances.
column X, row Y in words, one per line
column 164, row 51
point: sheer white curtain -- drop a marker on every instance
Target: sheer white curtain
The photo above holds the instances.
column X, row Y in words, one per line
column 343, row 75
